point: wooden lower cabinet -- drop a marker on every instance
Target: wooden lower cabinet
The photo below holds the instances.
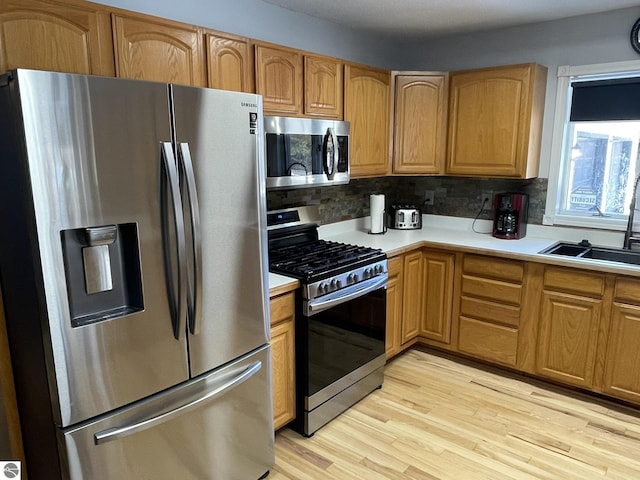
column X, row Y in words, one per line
column 622, row 366
column 571, row 307
column 412, row 296
column 437, row 290
column 283, row 359
column 568, row 335
column 393, row 336
column 489, row 307
column 622, row 373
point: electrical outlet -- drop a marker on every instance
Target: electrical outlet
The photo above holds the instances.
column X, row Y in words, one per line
column 429, row 197
column 486, row 199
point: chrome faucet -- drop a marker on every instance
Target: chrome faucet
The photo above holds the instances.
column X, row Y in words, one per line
column 629, row 238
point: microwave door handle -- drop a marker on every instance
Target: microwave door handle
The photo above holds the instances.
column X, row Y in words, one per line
column 330, row 164
column 194, row 297
column 177, row 303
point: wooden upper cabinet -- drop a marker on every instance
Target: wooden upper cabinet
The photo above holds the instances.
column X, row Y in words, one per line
column 229, row 62
column 323, row 87
column 495, row 121
column 366, row 106
column 148, row 48
column 63, row 38
column 419, row 122
column 279, row 79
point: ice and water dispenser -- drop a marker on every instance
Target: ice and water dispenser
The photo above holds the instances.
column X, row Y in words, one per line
column 102, row 267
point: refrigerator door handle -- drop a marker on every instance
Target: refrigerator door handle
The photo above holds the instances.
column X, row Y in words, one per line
column 116, row 433
column 178, row 302
column 194, row 297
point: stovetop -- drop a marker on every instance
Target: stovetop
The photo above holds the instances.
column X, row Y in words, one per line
column 319, row 259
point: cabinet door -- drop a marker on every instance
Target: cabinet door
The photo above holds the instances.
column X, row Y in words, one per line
column 63, row 38
column 568, row 336
column 279, row 80
column 283, row 359
column 420, row 112
column 322, row 87
column 622, row 371
column 495, row 121
column 158, row 50
column 438, row 295
column 393, row 338
column 229, row 62
column 412, row 296
column 366, row 106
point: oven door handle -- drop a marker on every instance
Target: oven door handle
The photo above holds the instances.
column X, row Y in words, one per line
column 346, row 295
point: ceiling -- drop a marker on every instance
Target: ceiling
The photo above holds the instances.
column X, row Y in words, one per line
column 431, row 18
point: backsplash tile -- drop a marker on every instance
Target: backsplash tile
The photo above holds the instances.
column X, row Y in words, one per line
column 454, row 196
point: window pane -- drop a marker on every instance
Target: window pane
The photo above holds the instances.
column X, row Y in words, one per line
column 601, row 164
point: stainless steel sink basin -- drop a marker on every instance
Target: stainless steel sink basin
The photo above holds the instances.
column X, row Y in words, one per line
column 585, row 250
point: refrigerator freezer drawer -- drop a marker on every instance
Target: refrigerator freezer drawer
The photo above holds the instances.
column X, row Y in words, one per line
column 218, row 426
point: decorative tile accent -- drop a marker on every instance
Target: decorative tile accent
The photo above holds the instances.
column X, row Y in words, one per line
column 454, row 196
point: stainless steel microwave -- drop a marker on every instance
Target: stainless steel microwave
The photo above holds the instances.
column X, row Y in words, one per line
column 305, row 152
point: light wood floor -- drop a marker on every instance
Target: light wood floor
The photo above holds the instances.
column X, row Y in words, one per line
column 439, row 419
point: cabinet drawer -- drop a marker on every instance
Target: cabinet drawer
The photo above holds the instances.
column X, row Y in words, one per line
column 569, row 280
column 502, row 292
column 492, row 267
column 628, row 290
column 489, row 341
column 281, row 308
column 490, row 311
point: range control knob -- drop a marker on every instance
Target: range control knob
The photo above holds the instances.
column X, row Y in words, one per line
column 368, row 273
column 334, row 285
column 379, row 269
column 323, row 288
column 352, row 278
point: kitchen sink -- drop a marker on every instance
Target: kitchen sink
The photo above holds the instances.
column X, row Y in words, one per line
column 586, row 250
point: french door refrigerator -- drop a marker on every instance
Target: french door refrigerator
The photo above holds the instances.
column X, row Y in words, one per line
column 133, row 270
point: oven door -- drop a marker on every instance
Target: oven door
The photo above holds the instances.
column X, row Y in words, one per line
column 340, row 344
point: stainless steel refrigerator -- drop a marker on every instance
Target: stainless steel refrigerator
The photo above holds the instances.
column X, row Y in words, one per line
column 133, row 269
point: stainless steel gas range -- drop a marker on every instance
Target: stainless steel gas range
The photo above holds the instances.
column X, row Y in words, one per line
column 340, row 315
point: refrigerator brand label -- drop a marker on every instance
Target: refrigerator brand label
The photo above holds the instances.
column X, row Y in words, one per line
column 253, row 122
column 10, row 470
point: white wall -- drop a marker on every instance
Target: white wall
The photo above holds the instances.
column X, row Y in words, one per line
column 262, row 21
column 598, row 38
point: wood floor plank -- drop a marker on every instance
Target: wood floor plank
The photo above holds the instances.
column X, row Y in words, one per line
column 438, row 418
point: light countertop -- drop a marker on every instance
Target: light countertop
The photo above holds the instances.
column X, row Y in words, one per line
column 454, row 233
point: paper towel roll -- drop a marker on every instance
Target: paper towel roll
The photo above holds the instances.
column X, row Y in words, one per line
column 377, row 213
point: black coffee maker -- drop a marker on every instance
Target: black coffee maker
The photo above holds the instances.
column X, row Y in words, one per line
column 510, row 212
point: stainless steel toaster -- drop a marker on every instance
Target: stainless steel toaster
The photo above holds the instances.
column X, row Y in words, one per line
column 405, row 217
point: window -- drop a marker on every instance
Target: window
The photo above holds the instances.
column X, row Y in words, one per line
column 595, row 154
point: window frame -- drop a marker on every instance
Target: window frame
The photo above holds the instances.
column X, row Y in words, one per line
column 567, row 73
